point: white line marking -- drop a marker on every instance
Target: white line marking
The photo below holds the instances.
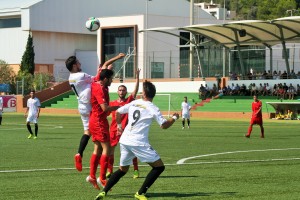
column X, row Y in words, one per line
column 232, row 152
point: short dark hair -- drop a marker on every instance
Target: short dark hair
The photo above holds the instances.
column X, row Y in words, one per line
column 70, row 62
column 106, row 73
column 149, row 89
column 122, row 86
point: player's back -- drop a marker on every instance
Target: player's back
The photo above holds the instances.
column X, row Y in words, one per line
column 140, row 116
column 81, row 85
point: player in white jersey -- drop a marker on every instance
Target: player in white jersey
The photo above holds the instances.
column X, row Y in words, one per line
column 185, row 112
column 32, row 113
column 134, row 140
column 80, row 83
column 1, row 109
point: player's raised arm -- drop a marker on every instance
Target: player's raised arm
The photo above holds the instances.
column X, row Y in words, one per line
column 112, row 60
column 137, row 82
column 170, row 121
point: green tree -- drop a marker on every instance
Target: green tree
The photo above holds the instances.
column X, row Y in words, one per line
column 27, row 63
column 272, row 9
column 7, row 74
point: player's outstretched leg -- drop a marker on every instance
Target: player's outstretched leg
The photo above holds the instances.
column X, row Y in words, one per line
column 262, row 131
column 78, row 157
column 249, row 131
column 30, row 131
column 36, row 130
column 188, row 122
column 183, row 123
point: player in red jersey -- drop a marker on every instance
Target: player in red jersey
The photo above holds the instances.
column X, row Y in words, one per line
column 99, row 127
column 114, row 136
column 256, row 117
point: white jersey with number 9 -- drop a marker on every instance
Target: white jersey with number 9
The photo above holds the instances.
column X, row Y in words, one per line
column 140, row 116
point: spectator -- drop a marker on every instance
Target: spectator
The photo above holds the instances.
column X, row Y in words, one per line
column 264, row 75
column 275, row 75
column 285, row 88
column 260, row 89
column 298, row 75
column 275, row 90
column 202, row 92
column 243, row 90
column 253, row 90
column 293, row 75
column 291, row 92
column 298, row 90
column 284, row 75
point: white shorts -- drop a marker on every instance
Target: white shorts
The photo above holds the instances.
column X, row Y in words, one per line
column 144, row 153
column 85, row 110
column 186, row 116
column 32, row 118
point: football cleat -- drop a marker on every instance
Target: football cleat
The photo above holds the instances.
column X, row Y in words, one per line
column 35, row 137
column 30, row 136
column 78, row 162
column 101, row 182
column 93, row 182
column 101, row 195
column 140, row 196
column 247, row 136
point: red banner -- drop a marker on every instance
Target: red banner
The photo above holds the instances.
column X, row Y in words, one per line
column 9, row 103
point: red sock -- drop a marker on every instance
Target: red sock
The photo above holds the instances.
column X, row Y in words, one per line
column 110, row 165
column 93, row 165
column 249, row 130
column 135, row 164
column 103, row 166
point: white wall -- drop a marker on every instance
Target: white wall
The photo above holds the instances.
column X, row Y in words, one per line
column 166, row 87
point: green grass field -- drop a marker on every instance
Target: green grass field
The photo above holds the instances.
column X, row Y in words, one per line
column 231, row 166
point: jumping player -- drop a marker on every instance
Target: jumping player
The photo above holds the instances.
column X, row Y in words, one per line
column 114, row 136
column 256, row 117
column 134, row 141
column 99, row 127
column 80, row 83
column 185, row 112
column 32, row 114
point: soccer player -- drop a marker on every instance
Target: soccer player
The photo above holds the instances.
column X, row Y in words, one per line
column 1, row 109
column 114, row 136
column 80, row 83
column 185, row 112
column 134, row 141
column 256, row 117
column 32, row 114
column 99, row 127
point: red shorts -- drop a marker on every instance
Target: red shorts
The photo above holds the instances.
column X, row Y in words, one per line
column 114, row 138
column 256, row 120
column 99, row 130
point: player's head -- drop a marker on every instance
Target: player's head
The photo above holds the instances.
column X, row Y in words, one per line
column 185, row 99
column 255, row 98
column 73, row 65
column 149, row 90
column 106, row 77
column 122, row 91
column 32, row 93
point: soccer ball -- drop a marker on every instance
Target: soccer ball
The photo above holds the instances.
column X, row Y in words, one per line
column 92, row 24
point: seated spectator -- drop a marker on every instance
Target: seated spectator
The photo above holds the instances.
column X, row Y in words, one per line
column 243, row 90
column 269, row 75
column 228, row 90
column 275, row 90
column 275, row 75
column 253, row 89
column 264, row 75
column 292, row 75
column 260, row 89
column 284, row 75
column 280, row 92
column 298, row 90
column 298, row 75
column 208, row 91
column 285, row 88
column 267, row 89
column 291, row 92
column 202, row 92
column 278, row 115
column 224, row 89
column 220, row 94
column 214, row 90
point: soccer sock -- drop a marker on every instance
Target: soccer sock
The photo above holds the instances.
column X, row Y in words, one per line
column 29, row 129
column 183, row 123
column 0, row 120
column 83, row 142
column 262, row 131
column 249, row 130
column 188, row 122
column 111, row 161
column 103, row 166
column 135, row 164
column 150, row 179
column 93, row 165
column 36, row 129
column 115, row 177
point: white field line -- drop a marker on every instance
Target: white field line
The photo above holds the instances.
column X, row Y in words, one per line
column 182, row 163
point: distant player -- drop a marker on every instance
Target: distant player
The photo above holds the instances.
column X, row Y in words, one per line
column 99, row 127
column 114, row 136
column 32, row 114
column 256, row 117
column 134, row 141
column 1, row 109
column 80, row 83
column 185, row 112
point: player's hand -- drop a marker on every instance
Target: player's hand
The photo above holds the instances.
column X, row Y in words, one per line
column 119, row 131
column 137, row 73
column 121, row 55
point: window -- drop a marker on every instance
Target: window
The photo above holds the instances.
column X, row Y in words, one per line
column 115, row 41
column 10, row 23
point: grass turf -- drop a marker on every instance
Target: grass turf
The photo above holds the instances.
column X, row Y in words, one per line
column 235, row 175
